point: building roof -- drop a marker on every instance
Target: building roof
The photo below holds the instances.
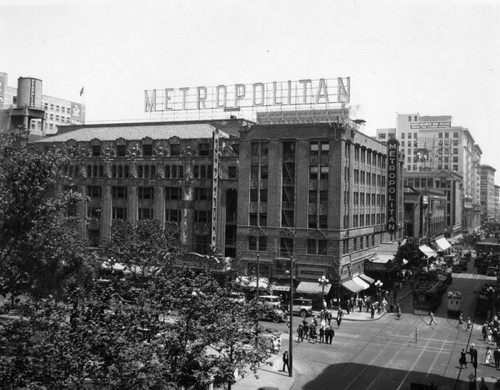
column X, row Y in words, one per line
column 136, row 132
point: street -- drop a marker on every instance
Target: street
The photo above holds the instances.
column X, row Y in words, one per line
column 392, row 354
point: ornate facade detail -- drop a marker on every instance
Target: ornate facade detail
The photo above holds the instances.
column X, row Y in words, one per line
column 134, row 150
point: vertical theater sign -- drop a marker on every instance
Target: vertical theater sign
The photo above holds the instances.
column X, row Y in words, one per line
column 392, row 185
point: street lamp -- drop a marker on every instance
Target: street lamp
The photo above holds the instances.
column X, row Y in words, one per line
column 323, row 282
column 378, row 285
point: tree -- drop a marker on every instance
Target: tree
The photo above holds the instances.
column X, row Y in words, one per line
column 144, row 246
column 185, row 334
column 39, row 248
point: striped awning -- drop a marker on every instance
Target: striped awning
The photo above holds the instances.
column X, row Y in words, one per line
column 427, row 251
column 352, row 286
column 366, row 278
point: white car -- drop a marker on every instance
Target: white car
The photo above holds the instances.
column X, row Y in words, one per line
column 302, row 307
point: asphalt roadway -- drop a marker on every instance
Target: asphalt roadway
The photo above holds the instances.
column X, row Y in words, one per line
column 386, row 352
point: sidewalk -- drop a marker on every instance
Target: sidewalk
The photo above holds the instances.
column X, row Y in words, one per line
column 270, row 374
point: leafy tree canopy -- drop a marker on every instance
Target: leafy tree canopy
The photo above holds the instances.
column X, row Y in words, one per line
column 39, row 248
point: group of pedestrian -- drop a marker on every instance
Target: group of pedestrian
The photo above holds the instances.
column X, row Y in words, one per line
column 310, row 332
column 467, row 326
column 491, row 332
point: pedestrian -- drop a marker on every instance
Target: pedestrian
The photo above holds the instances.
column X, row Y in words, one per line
column 329, row 333
column 469, row 324
column 398, row 311
column 306, row 329
column 463, row 359
column 487, row 357
column 473, row 357
column 372, row 310
column 496, row 357
column 322, row 334
column 322, row 323
column 360, row 304
column 329, row 317
column 315, row 321
column 300, row 332
column 484, row 330
column 285, row 361
column 339, row 318
column 313, row 334
column 432, row 319
column 460, row 320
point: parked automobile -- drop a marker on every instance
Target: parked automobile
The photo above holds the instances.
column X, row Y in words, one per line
column 275, row 312
column 302, row 307
column 237, row 297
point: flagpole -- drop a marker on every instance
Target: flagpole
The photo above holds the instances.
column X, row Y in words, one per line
column 82, row 95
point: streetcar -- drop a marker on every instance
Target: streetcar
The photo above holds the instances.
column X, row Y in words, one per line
column 454, row 302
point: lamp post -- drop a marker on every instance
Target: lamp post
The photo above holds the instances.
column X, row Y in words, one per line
column 323, row 281
column 378, row 285
column 290, row 331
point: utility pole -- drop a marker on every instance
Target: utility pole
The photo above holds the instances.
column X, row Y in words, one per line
column 257, row 300
column 290, row 331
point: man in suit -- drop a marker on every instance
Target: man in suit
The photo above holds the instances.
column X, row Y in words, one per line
column 473, row 357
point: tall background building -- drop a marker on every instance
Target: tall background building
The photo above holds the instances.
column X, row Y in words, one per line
column 27, row 105
column 438, row 156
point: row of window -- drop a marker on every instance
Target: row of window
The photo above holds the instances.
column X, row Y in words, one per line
column 321, row 148
column 362, row 177
column 445, row 167
column 320, row 221
column 364, row 199
column 57, row 108
column 313, row 247
column 171, row 215
column 171, row 193
column 144, row 171
column 204, row 149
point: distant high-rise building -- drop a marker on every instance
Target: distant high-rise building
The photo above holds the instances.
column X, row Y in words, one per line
column 433, row 144
column 41, row 114
column 487, row 193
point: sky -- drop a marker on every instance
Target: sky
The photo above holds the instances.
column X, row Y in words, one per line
column 432, row 57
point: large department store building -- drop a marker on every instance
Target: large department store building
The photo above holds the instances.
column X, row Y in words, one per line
column 301, row 184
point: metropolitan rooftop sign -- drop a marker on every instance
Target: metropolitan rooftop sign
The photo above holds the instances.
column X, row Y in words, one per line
column 301, row 94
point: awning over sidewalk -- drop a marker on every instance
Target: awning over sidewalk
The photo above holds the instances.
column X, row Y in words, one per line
column 366, row 278
column 247, row 281
column 352, row 286
column 443, row 244
column 382, row 258
column 312, row 288
column 280, row 287
column 427, row 251
column 361, row 282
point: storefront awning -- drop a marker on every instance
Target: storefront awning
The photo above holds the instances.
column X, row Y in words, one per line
column 312, row 288
column 366, row 278
column 443, row 244
column 276, row 287
column 247, row 281
column 382, row 258
column 427, row 251
column 352, row 286
column 361, row 282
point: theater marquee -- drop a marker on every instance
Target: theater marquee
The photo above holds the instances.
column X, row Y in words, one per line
column 301, row 94
column 392, row 185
